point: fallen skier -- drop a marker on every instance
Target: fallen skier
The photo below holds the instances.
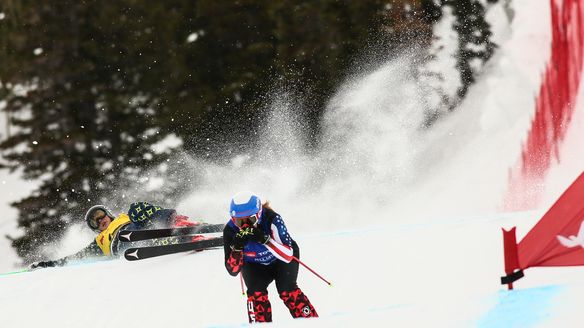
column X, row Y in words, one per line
column 140, row 216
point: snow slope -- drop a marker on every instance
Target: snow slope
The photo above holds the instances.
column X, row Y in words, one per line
column 405, row 223
column 443, row 274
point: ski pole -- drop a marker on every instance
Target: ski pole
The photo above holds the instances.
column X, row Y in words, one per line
column 241, row 281
column 309, row 269
column 273, row 247
column 15, row 272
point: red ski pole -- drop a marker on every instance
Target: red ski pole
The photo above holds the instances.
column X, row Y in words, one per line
column 273, row 247
column 241, row 281
column 309, row 269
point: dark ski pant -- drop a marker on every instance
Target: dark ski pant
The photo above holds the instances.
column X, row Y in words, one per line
column 257, row 277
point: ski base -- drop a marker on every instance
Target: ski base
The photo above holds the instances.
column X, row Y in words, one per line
column 141, row 253
column 137, row 235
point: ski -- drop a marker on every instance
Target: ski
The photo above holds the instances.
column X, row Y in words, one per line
column 137, row 235
column 140, row 253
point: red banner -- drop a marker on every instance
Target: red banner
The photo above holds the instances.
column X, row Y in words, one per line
column 554, row 105
column 556, row 240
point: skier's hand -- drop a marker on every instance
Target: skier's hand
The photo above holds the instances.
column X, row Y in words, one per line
column 46, row 264
column 258, row 235
column 241, row 238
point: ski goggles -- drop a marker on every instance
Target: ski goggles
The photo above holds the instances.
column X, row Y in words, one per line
column 95, row 218
column 246, row 220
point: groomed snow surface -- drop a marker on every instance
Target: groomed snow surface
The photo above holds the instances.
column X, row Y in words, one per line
column 406, row 223
column 406, row 275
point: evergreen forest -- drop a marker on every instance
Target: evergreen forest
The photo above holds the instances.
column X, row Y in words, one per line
column 90, row 88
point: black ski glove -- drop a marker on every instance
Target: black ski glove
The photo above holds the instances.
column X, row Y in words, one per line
column 47, row 264
column 241, row 238
column 258, row 235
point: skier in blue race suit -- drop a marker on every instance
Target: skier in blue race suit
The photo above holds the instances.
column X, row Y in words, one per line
column 99, row 218
column 257, row 244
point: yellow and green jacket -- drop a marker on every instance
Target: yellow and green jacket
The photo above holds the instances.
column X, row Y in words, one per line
column 106, row 243
column 105, row 239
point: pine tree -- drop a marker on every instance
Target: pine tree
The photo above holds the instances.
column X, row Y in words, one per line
column 475, row 42
column 89, row 119
column 92, row 88
column 431, row 10
column 438, row 76
column 473, row 49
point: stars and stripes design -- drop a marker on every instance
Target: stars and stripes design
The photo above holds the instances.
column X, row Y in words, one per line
column 281, row 252
column 280, row 232
column 280, row 243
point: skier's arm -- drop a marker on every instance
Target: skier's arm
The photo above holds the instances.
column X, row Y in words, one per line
column 92, row 250
column 280, row 232
column 280, row 244
column 233, row 257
